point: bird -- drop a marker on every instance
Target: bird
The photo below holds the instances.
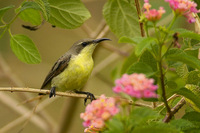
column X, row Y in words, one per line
column 72, row 70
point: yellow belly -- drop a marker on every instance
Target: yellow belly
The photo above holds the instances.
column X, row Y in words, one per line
column 75, row 75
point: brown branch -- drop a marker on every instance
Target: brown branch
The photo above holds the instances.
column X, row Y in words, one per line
column 174, row 110
column 163, row 89
column 137, row 4
column 63, row 94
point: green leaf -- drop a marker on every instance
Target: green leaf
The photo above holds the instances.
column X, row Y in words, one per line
column 192, row 98
column 148, row 58
column 141, row 115
column 128, row 62
column 144, row 44
column 44, row 7
column 194, row 88
column 158, row 128
column 171, row 86
column 31, row 15
column 182, row 70
column 24, row 49
column 29, row 5
column 182, row 124
column 187, row 34
column 115, row 125
column 179, row 55
column 122, row 18
column 4, row 10
column 134, row 40
column 192, row 116
column 68, row 14
column 140, row 67
column 193, row 77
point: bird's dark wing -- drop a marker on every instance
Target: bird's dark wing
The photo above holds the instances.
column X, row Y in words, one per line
column 57, row 68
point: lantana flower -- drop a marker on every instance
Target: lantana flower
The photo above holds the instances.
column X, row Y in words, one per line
column 136, row 85
column 152, row 14
column 98, row 112
column 185, row 8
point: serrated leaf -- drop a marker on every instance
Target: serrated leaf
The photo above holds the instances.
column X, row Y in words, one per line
column 194, row 88
column 29, row 5
column 187, row 34
column 182, row 70
column 140, row 67
column 179, row 55
column 45, row 8
column 68, row 14
column 182, row 124
column 146, row 43
column 31, row 15
column 148, row 58
column 191, row 97
column 193, row 77
column 4, row 10
column 122, row 18
column 24, row 49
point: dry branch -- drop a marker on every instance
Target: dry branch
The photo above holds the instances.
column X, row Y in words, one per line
column 64, row 94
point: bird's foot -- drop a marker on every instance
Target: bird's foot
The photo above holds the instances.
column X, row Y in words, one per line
column 52, row 92
column 88, row 96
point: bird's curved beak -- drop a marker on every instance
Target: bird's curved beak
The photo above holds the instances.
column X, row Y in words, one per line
column 101, row 39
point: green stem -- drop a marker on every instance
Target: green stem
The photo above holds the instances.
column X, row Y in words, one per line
column 169, row 28
column 2, row 26
column 172, row 22
column 146, row 30
column 4, row 31
column 167, row 50
column 8, row 25
column 156, row 32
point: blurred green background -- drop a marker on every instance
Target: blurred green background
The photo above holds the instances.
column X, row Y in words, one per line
column 52, row 43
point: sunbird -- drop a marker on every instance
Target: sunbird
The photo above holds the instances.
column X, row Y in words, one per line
column 72, row 70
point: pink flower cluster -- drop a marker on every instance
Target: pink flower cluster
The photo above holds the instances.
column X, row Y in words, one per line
column 136, row 85
column 98, row 112
column 152, row 14
column 184, row 7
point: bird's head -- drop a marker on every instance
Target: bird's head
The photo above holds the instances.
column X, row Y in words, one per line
column 86, row 45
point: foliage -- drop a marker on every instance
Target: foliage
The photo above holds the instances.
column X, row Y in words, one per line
column 166, row 58
column 68, row 14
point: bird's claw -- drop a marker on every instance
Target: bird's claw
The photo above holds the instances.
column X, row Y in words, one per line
column 89, row 96
column 52, row 92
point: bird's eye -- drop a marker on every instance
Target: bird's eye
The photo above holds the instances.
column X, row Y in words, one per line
column 84, row 44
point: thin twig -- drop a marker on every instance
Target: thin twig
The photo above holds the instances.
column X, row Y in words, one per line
column 137, row 4
column 174, row 110
column 163, row 89
column 64, row 94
